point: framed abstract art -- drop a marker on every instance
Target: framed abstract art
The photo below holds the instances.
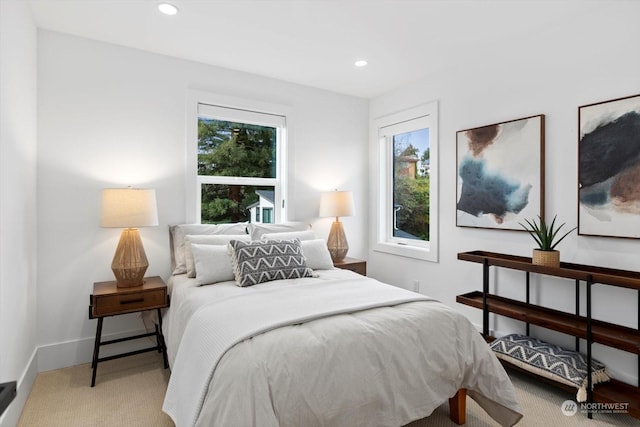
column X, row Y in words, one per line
column 500, row 173
column 609, row 168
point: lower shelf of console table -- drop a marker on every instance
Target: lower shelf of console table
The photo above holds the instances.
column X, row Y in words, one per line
column 616, row 391
column 613, row 391
column 605, row 333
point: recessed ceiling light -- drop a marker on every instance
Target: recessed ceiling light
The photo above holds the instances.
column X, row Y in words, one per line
column 167, row 8
column 360, row 63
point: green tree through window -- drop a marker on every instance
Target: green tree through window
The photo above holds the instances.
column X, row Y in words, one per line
column 233, row 150
column 411, row 185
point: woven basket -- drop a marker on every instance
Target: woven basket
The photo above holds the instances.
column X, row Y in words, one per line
column 546, row 258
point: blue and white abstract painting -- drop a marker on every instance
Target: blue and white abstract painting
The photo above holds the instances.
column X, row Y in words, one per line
column 500, row 174
column 609, row 168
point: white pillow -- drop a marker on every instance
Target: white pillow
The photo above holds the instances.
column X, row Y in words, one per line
column 178, row 233
column 215, row 239
column 317, row 254
column 256, row 230
column 213, row 264
column 232, row 228
column 288, row 235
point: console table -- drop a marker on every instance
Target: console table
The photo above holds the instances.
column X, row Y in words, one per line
column 585, row 327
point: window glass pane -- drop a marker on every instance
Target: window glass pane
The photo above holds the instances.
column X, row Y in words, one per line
column 236, row 149
column 267, row 215
column 410, row 210
column 222, row 203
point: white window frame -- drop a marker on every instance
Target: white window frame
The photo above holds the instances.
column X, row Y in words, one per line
column 240, row 110
column 382, row 129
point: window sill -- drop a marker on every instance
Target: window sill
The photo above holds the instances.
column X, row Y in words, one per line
column 407, row 251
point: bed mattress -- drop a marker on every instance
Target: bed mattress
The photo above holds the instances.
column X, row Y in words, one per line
column 383, row 364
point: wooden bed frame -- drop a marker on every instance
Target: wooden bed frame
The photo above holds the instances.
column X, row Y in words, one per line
column 458, row 407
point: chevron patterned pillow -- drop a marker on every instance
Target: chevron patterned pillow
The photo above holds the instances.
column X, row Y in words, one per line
column 266, row 260
column 550, row 361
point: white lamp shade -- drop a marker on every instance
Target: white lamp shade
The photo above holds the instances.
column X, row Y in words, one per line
column 129, row 207
column 337, row 203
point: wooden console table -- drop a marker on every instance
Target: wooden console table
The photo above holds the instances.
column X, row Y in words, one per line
column 585, row 327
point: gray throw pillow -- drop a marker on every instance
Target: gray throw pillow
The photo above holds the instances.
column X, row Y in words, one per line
column 266, row 260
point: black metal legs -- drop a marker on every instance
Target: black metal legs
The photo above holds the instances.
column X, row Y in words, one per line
column 96, row 351
column 485, row 293
column 159, row 346
column 162, row 346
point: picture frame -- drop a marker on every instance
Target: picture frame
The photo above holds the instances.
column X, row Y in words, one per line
column 500, row 174
column 609, row 168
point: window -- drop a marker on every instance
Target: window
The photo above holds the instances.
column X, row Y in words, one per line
column 267, row 215
column 237, row 161
column 406, row 216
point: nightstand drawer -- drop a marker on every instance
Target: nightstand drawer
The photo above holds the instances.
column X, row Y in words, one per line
column 106, row 305
column 357, row 268
column 356, row 265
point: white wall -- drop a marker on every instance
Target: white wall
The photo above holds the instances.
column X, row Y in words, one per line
column 114, row 116
column 17, row 201
column 109, row 116
column 588, row 58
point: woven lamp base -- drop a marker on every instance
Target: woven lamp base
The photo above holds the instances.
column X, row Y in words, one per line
column 546, row 258
column 129, row 262
column 337, row 242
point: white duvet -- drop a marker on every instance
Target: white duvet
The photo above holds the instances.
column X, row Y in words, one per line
column 338, row 350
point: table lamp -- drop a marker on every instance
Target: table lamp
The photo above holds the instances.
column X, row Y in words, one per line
column 337, row 204
column 129, row 208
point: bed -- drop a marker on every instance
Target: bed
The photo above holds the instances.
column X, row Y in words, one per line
column 333, row 349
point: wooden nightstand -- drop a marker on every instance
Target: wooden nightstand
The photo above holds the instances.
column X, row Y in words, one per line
column 353, row 264
column 109, row 300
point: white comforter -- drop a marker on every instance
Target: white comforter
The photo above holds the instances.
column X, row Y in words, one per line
column 393, row 359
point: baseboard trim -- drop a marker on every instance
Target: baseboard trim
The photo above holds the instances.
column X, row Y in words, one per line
column 80, row 351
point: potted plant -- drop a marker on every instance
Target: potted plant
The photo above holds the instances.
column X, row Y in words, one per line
column 546, row 236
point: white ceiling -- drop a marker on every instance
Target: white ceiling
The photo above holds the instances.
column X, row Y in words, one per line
column 314, row 42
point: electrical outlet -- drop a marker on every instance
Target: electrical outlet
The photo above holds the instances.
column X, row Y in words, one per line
column 416, row 286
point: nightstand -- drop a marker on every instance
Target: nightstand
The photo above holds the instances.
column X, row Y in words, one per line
column 109, row 300
column 353, row 264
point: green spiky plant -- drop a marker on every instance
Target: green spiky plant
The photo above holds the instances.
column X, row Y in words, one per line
column 545, row 236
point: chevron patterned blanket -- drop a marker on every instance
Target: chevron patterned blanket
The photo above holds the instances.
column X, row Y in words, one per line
column 550, row 361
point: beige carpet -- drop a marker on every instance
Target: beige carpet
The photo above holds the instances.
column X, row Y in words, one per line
column 129, row 392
